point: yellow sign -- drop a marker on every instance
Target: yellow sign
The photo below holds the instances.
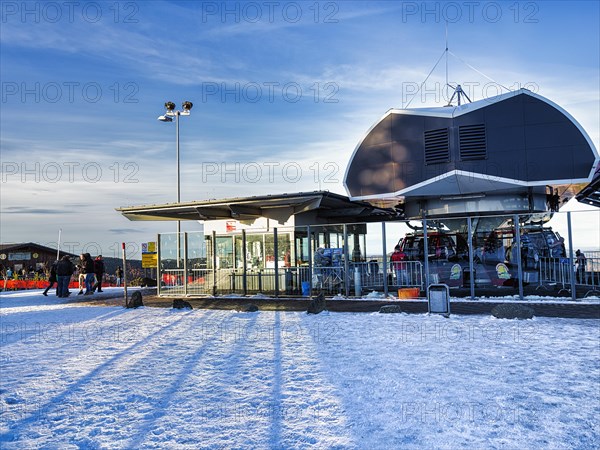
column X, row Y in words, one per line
column 151, row 247
column 502, row 271
column 455, row 272
column 149, row 260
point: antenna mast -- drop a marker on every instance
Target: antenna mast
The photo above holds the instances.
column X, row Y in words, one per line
column 446, row 56
column 458, row 91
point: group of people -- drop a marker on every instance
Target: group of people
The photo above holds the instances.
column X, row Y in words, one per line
column 553, row 199
column 23, row 274
column 90, row 274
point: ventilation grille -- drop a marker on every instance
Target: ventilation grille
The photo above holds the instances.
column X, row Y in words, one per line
column 472, row 142
column 437, row 149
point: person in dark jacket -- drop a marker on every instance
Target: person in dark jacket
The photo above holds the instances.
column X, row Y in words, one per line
column 64, row 270
column 99, row 271
column 51, row 279
column 119, row 275
column 87, row 264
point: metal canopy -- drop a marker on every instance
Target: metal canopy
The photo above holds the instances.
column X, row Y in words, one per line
column 590, row 195
column 326, row 207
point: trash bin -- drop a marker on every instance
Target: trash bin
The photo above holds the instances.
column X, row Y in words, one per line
column 438, row 299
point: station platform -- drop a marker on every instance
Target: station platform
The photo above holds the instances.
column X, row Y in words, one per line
column 583, row 309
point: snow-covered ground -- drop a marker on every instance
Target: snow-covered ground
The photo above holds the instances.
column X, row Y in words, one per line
column 88, row 377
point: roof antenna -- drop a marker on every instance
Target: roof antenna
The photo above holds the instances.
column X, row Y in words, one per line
column 458, row 91
column 446, row 59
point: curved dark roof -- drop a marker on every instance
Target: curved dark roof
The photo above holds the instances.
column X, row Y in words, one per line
column 510, row 142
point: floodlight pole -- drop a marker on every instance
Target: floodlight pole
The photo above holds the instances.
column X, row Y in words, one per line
column 167, row 117
column 58, row 245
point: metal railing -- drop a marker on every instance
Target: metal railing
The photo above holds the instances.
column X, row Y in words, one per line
column 329, row 279
column 172, row 282
column 560, row 271
column 410, row 274
column 200, row 282
column 365, row 276
column 555, row 271
column 589, row 276
column 255, row 281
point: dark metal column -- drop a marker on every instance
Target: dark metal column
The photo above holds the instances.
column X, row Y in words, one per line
column 519, row 262
column 310, row 261
column 214, row 255
column 346, row 262
column 356, row 252
column 426, row 253
column 471, row 266
column 244, row 263
column 185, row 261
column 158, row 268
column 276, row 251
column 384, row 259
column 571, row 260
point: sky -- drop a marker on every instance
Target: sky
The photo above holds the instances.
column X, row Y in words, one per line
column 282, row 94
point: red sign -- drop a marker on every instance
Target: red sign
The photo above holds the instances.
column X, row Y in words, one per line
column 230, row 225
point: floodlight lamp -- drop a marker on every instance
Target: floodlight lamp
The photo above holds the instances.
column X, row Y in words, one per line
column 187, row 106
column 170, row 106
column 165, row 119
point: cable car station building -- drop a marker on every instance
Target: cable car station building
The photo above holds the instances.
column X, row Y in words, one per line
column 476, row 183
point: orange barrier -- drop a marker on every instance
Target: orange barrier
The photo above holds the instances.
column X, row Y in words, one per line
column 404, row 293
column 172, row 280
column 19, row 285
column 25, row 284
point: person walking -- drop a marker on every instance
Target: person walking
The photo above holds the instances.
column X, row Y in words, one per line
column 99, row 272
column 64, row 270
column 119, row 275
column 51, row 279
column 80, row 277
column 88, row 268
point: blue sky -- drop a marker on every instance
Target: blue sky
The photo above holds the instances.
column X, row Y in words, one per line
column 287, row 88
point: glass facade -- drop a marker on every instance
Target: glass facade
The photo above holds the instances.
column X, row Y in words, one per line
column 477, row 257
